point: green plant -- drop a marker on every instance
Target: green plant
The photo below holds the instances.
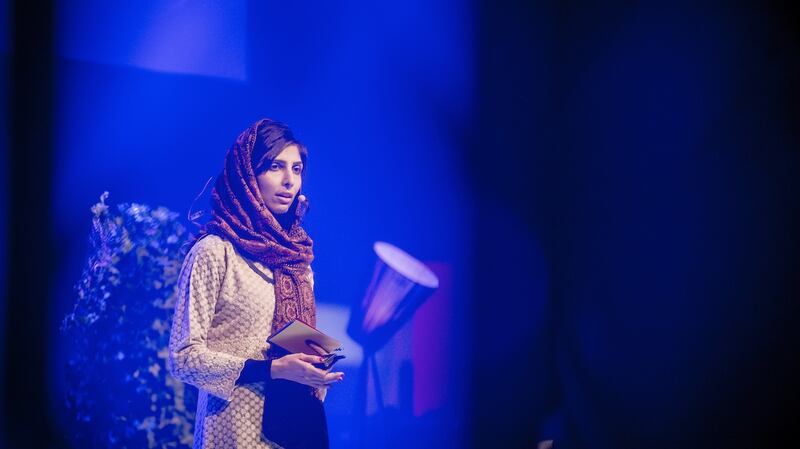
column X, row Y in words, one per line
column 119, row 391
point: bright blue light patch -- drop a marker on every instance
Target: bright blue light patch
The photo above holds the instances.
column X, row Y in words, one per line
column 201, row 38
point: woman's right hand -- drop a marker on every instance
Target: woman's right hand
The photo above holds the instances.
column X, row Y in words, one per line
column 298, row 368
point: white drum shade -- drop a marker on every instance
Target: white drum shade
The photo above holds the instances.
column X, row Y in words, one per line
column 400, row 283
column 405, row 264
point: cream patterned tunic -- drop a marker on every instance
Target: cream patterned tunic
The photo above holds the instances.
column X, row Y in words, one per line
column 223, row 316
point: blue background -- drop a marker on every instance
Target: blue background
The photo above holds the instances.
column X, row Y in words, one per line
column 150, row 97
column 611, row 191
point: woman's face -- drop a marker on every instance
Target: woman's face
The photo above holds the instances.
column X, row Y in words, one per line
column 281, row 182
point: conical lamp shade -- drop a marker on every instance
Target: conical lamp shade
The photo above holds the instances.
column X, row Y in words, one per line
column 399, row 285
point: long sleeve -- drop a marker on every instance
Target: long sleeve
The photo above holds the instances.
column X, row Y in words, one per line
column 255, row 371
column 191, row 360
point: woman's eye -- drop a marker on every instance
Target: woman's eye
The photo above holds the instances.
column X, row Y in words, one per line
column 274, row 167
column 297, row 169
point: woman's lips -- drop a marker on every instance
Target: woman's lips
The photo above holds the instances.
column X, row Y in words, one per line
column 284, row 199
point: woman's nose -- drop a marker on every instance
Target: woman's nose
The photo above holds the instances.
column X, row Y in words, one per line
column 288, row 179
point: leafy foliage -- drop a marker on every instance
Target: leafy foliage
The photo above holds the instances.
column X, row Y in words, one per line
column 119, row 392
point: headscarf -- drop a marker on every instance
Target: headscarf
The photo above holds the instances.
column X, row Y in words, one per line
column 240, row 215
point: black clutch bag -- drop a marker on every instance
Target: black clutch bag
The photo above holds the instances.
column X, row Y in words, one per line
column 293, row 417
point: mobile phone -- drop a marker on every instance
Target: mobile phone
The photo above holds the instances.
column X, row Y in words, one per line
column 328, row 360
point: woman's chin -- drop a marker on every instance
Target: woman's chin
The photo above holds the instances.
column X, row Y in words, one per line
column 279, row 210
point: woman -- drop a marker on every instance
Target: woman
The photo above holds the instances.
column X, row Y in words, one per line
column 246, row 276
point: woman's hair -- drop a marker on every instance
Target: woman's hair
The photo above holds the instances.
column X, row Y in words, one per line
column 272, row 138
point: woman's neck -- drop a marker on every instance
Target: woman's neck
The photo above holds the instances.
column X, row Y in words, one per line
column 285, row 221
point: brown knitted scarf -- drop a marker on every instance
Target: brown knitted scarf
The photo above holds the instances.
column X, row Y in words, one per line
column 240, row 215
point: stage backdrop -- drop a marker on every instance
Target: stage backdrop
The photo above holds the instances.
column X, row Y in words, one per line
column 151, row 96
column 4, row 114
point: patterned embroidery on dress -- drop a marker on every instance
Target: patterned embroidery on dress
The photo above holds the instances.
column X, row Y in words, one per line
column 213, row 278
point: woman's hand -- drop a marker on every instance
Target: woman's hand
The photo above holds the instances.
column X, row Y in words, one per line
column 320, row 393
column 298, row 368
